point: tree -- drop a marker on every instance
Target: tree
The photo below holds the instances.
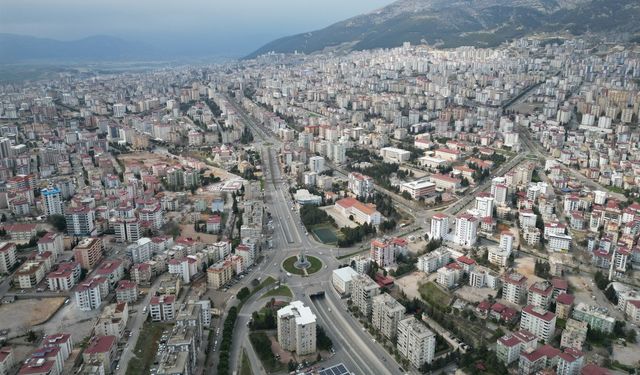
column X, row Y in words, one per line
column 58, row 221
column 243, row 294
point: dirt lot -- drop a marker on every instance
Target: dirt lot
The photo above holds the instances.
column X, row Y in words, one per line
column 525, row 266
column 187, row 231
column 470, row 294
column 22, row 314
column 409, row 284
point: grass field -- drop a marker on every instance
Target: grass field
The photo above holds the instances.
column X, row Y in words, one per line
column 282, row 290
column 146, row 348
column 432, row 294
column 245, row 368
column 289, row 265
column 325, row 234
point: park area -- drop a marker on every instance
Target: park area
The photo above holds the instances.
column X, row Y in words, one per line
column 289, row 265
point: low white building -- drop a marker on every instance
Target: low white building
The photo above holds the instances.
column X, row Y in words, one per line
column 341, row 279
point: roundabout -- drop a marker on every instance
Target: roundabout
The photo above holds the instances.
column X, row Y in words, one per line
column 302, row 264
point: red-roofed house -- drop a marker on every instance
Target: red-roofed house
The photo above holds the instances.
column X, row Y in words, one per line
column 593, row 369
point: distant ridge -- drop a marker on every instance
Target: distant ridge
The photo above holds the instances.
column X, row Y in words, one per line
column 21, row 48
column 452, row 23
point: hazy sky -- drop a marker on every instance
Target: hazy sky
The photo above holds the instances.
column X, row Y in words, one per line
column 233, row 25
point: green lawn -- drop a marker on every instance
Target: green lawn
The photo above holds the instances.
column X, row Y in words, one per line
column 289, row 265
column 282, row 290
column 146, row 348
column 245, row 368
column 434, row 295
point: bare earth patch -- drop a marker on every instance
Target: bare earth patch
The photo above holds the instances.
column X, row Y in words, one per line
column 26, row 313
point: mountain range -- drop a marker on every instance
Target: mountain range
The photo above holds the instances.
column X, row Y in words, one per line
column 21, row 48
column 453, row 23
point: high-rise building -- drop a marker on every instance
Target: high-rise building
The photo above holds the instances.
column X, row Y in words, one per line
column 387, row 312
column 484, row 204
column 514, row 287
column 363, row 289
column 316, row 164
column 297, row 328
column 466, row 230
column 88, row 252
column 538, row 321
column 416, row 342
column 7, row 257
column 51, row 201
column 80, row 221
column 439, row 226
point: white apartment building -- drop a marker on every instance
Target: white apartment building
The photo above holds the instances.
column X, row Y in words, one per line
column 386, row 314
column 559, row 242
column 52, row 242
column 509, row 346
column 514, row 287
column 140, row 251
column 341, row 279
column 416, row 342
column 51, row 201
column 162, row 308
column 363, row 289
column 439, row 226
column 484, row 205
column 89, row 295
column 360, row 185
column 466, row 230
column 297, row 328
column 7, row 256
column 434, row 260
column 316, row 164
column 538, row 321
column 80, row 221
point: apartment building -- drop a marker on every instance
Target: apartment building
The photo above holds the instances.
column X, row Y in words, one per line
column 80, row 221
column 219, row 274
column 297, row 328
column 538, row 321
column 434, row 260
column 383, row 251
column 416, row 342
column 360, row 185
column 52, row 242
column 540, row 294
column 439, row 227
column 386, row 313
column 363, row 289
column 509, row 346
column 101, row 349
column 127, row 291
column 7, row 256
column 89, row 293
column 162, row 308
column 342, row 279
column 29, row 274
column 466, row 230
column 597, row 317
column 88, row 252
column 574, row 334
column 65, row 277
column 140, row 251
column 514, row 287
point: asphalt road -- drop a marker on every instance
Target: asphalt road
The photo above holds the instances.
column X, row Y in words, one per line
column 353, row 346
